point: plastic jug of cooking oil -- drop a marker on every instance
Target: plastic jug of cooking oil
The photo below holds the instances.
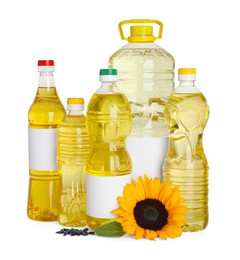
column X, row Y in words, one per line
column 44, row 115
column 109, row 166
column 146, row 77
column 186, row 114
column 73, row 149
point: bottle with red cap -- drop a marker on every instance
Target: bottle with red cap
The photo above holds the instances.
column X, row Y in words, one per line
column 44, row 116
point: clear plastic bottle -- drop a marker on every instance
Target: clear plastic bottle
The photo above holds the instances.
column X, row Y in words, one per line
column 109, row 165
column 146, row 77
column 44, row 115
column 73, row 150
column 187, row 114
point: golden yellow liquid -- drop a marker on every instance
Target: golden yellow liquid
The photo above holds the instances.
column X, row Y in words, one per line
column 146, row 77
column 46, row 112
column 73, row 150
column 109, row 123
column 185, row 163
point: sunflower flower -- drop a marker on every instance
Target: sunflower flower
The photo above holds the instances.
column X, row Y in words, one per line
column 150, row 209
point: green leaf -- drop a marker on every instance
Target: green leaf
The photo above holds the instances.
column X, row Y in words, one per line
column 112, row 229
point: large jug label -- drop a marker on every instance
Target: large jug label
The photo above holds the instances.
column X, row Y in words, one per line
column 147, row 155
column 102, row 193
column 42, row 149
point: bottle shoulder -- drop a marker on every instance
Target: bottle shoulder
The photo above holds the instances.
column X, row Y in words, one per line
column 147, row 50
column 46, row 111
column 186, row 112
column 109, row 104
column 74, row 120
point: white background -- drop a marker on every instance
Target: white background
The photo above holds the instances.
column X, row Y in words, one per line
column 80, row 36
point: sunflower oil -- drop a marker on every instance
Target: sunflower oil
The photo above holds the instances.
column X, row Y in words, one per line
column 146, row 77
column 44, row 115
column 109, row 165
column 187, row 114
column 73, row 149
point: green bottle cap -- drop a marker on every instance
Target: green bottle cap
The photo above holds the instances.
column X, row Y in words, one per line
column 106, row 72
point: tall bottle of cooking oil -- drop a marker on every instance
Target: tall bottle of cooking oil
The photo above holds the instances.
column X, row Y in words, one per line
column 146, row 77
column 73, row 149
column 109, row 165
column 44, row 115
column 186, row 114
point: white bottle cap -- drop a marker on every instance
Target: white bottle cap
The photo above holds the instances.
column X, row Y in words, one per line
column 186, row 74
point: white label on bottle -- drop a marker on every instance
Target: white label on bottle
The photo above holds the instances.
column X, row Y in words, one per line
column 42, row 149
column 147, row 155
column 102, row 193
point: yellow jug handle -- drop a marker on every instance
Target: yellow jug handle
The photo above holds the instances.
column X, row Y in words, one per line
column 132, row 21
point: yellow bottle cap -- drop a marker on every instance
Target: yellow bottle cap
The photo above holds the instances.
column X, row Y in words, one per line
column 141, row 33
column 75, row 101
column 182, row 71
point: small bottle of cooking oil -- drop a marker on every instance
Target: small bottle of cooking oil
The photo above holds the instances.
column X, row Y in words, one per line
column 44, row 115
column 186, row 114
column 109, row 165
column 73, row 149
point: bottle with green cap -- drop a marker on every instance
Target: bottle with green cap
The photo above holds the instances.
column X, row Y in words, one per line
column 109, row 167
column 146, row 77
column 73, row 149
column 186, row 114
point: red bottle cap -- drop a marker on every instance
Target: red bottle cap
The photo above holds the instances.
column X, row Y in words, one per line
column 46, row 63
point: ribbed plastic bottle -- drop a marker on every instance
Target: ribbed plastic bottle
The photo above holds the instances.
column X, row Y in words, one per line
column 73, row 150
column 44, row 115
column 109, row 165
column 187, row 114
column 146, row 77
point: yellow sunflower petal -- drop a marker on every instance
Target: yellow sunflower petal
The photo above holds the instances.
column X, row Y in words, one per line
column 156, row 188
column 129, row 229
column 139, row 233
column 141, row 195
column 172, row 231
column 165, row 193
column 177, row 219
column 120, row 220
column 150, row 234
column 147, row 184
column 173, row 199
column 126, row 205
column 162, row 234
column 119, row 212
column 179, row 209
column 129, row 193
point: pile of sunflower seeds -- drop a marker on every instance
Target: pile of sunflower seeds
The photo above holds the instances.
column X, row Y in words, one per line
column 75, row 232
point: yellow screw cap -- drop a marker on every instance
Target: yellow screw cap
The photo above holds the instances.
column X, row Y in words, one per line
column 75, row 101
column 186, row 71
column 141, row 34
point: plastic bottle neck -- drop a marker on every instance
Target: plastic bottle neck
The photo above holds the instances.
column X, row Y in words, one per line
column 189, row 83
column 75, row 112
column 187, row 86
column 108, row 87
column 46, row 80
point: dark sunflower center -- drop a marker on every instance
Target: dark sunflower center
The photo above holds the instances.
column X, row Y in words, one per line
column 150, row 214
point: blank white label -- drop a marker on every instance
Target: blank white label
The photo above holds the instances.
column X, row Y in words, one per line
column 148, row 155
column 102, row 193
column 42, row 149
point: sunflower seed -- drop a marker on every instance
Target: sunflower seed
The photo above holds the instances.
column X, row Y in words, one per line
column 75, row 232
